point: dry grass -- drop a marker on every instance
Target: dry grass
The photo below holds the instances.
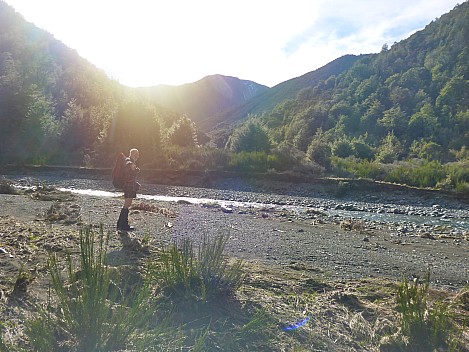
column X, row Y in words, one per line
column 144, row 206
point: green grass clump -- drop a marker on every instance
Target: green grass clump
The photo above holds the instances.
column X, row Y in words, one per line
column 426, row 327
column 184, row 300
column 91, row 313
column 199, row 290
column 187, row 276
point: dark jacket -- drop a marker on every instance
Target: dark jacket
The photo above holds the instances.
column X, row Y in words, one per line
column 131, row 175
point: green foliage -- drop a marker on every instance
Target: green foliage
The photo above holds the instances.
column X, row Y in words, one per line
column 183, row 133
column 319, row 150
column 424, row 123
column 359, row 168
column 253, row 161
column 421, row 174
column 194, row 158
column 189, row 278
column 92, row 314
column 198, row 289
column 342, row 148
column 462, row 154
column 425, row 150
column 457, row 172
column 250, row 137
column 426, row 326
column 361, row 149
column 389, row 150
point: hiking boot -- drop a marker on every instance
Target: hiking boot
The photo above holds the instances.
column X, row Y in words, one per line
column 123, row 222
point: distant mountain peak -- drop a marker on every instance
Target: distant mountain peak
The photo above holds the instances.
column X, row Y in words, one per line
column 205, row 97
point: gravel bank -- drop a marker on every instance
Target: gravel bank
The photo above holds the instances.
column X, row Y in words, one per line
column 301, row 226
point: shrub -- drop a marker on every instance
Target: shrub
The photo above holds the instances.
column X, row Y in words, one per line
column 361, row 149
column 92, row 314
column 252, row 161
column 342, row 148
column 250, row 137
column 195, row 158
column 198, row 288
column 190, row 278
column 421, row 173
column 462, row 187
column 457, row 172
column 426, row 327
column 360, row 168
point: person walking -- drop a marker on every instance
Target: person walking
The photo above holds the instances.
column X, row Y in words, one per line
column 131, row 186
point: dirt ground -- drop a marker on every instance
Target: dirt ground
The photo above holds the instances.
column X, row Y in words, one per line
column 341, row 271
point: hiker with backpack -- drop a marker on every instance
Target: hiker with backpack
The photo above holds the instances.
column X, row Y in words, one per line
column 124, row 177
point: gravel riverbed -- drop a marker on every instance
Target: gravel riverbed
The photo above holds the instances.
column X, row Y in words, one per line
column 340, row 233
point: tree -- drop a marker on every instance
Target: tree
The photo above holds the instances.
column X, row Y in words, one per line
column 426, row 150
column 40, row 128
column 424, row 123
column 183, row 133
column 342, row 148
column 319, row 150
column 390, row 149
column 361, row 149
column 393, row 119
column 250, row 137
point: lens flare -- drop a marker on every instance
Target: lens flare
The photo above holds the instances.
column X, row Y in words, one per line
column 297, row 325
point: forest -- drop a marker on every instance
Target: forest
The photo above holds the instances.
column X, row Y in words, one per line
column 401, row 115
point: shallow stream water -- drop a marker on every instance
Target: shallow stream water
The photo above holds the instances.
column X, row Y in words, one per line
column 456, row 223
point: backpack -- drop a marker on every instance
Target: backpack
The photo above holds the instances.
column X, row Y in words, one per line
column 118, row 172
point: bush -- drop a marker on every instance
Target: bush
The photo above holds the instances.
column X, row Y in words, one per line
column 185, row 301
column 362, row 150
column 342, row 148
column 421, row 173
column 250, row 137
column 194, row 158
column 426, row 327
column 198, row 289
column 188, row 278
column 359, row 168
column 92, row 314
column 253, row 161
column 458, row 172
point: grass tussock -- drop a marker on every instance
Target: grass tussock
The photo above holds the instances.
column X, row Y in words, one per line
column 85, row 311
column 192, row 297
column 424, row 325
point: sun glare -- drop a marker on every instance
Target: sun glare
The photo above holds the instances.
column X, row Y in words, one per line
column 144, row 43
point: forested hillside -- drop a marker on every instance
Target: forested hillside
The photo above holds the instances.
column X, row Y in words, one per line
column 281, row 92
column 56, row 107
column 409, row 102
column 401, row 115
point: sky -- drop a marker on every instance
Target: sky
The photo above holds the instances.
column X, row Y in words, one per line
column 143, row 43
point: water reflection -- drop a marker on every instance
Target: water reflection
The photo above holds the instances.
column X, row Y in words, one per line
column 457, row 223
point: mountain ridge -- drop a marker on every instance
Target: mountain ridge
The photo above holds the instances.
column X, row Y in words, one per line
column 207, row 96
column 285, row 90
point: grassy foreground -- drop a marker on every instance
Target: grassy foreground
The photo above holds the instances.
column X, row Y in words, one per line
column 189, row 297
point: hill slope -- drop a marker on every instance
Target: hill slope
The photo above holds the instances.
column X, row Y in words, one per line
column 411, row 100
column 276, row 95
column 206, row 97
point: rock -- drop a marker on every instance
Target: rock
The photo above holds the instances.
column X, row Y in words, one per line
column 427, row 235
column 226, row 210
